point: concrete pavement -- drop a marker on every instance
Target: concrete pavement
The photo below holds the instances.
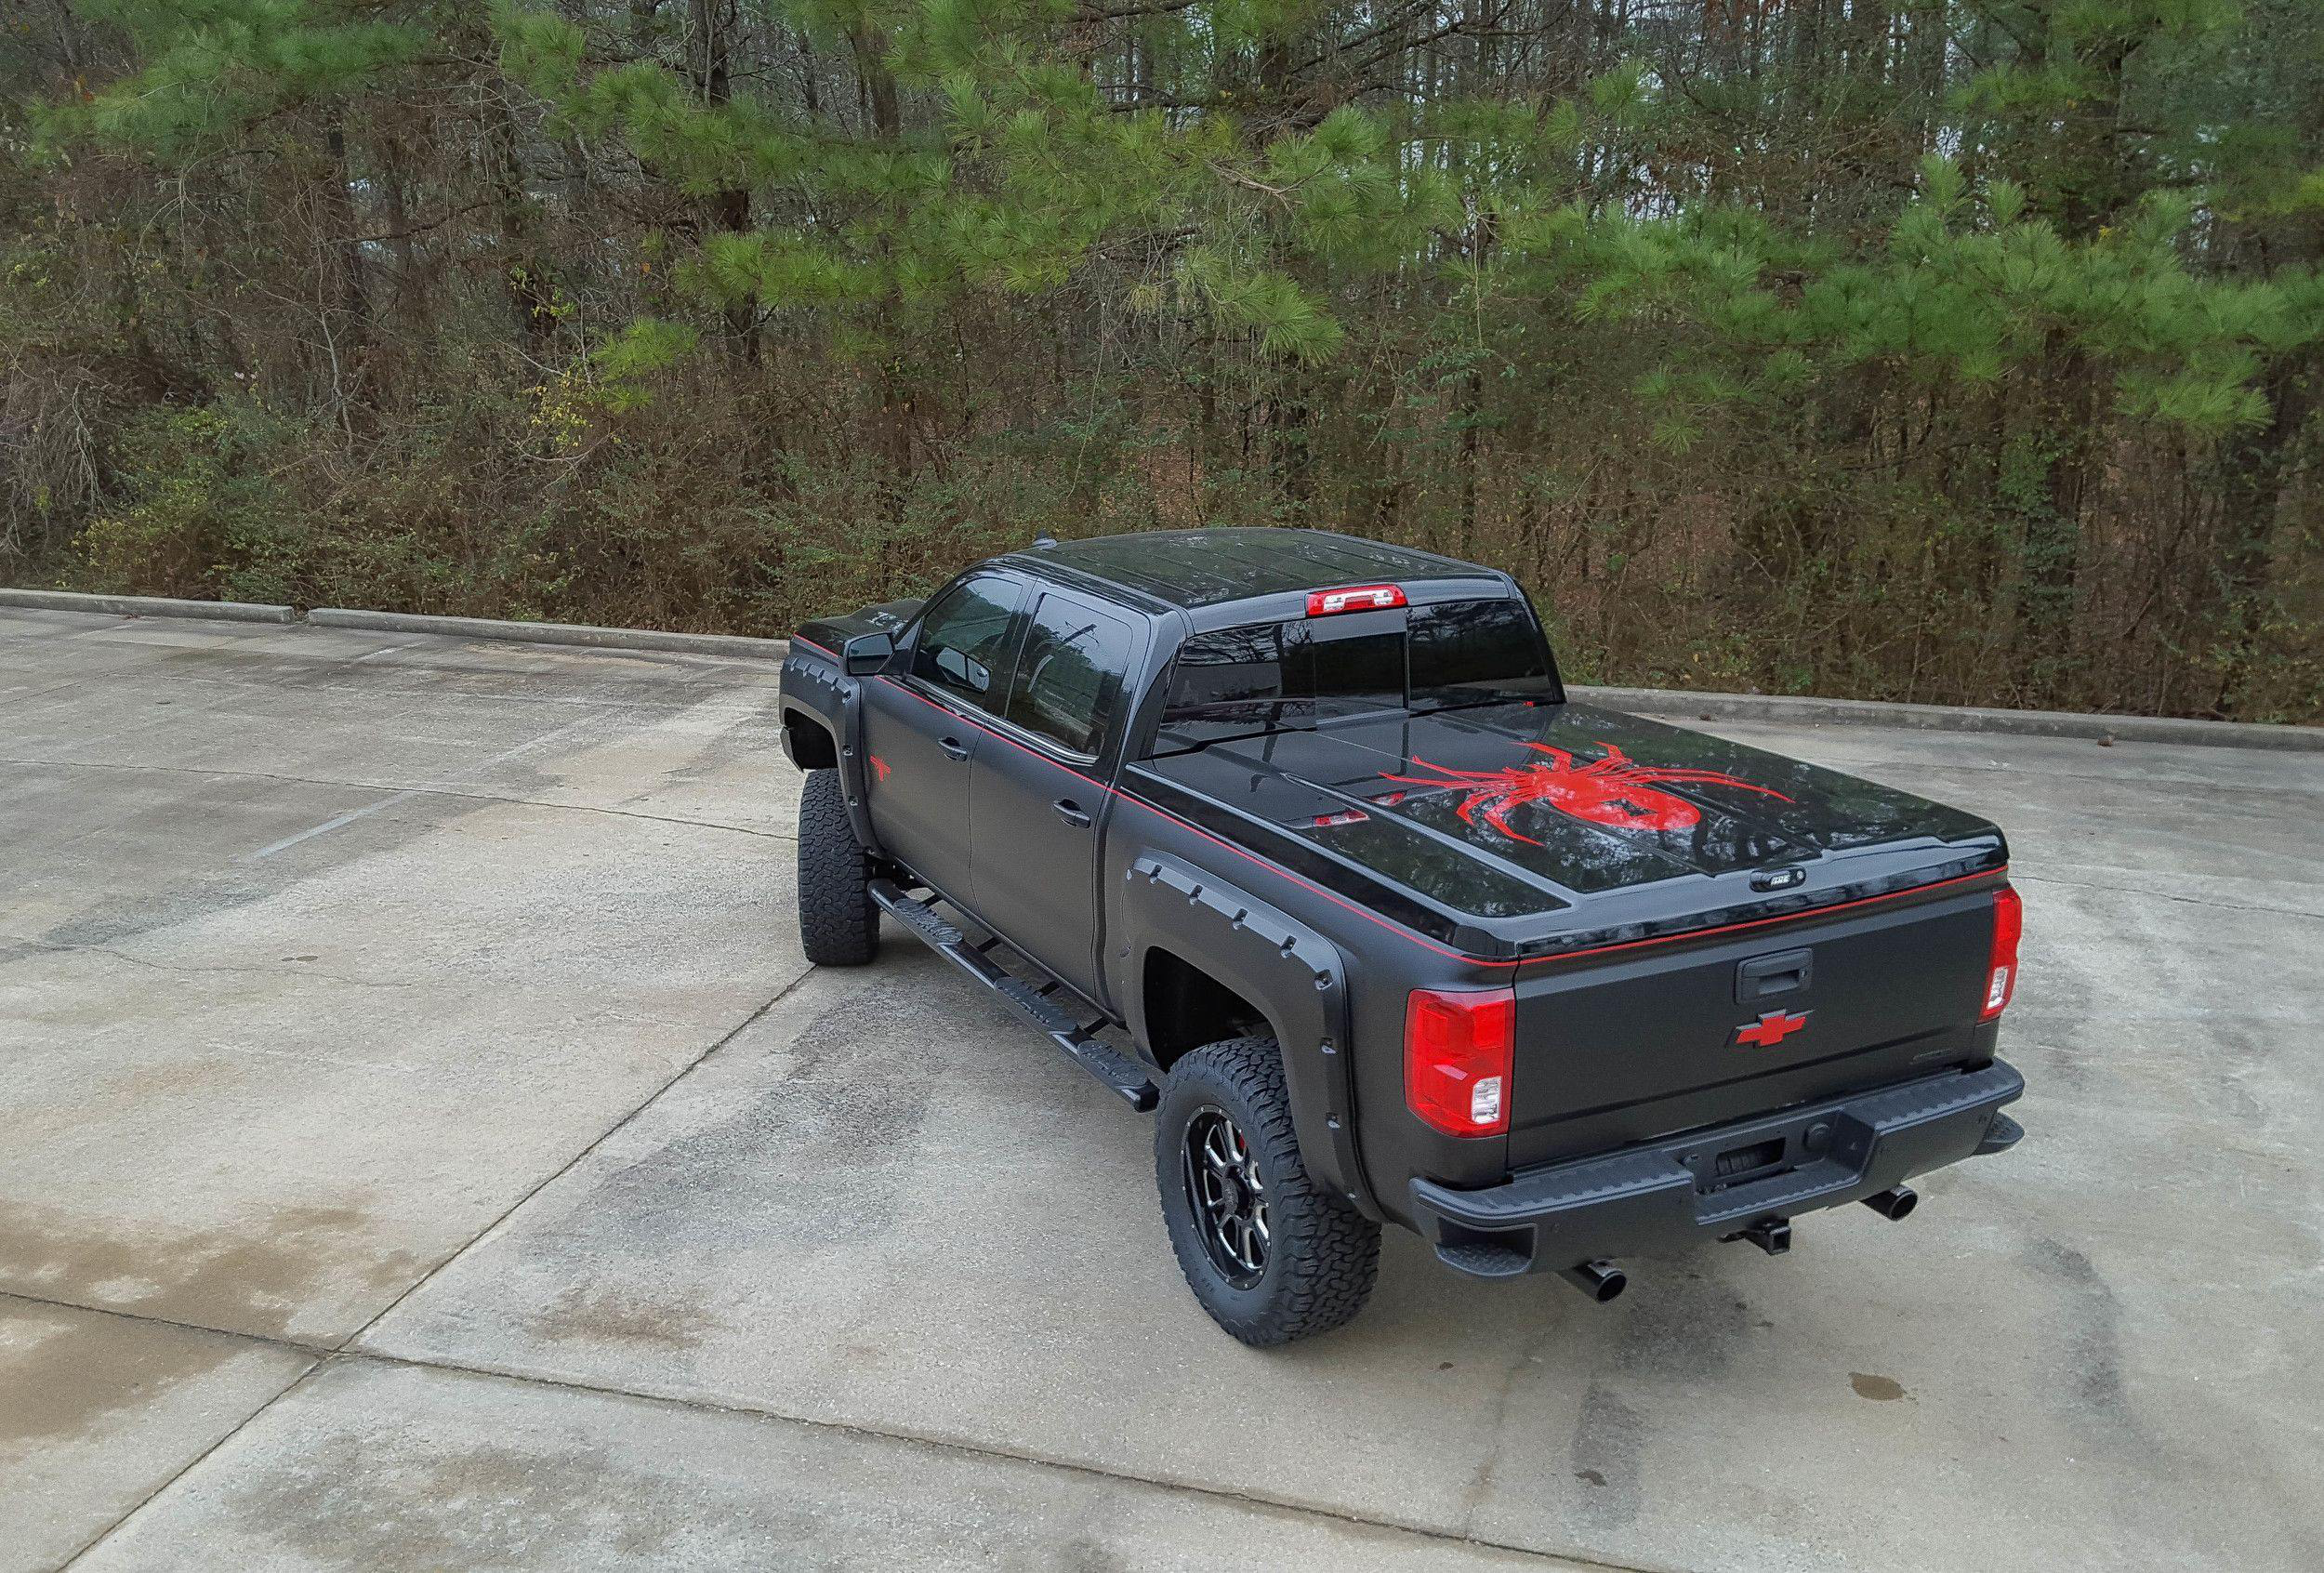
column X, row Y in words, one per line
column 427, row 1148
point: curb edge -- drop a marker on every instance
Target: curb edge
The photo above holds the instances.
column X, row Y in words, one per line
column 1663, row 702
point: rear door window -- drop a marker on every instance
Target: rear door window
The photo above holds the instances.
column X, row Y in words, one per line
column 1069, row 675
column 964, row 638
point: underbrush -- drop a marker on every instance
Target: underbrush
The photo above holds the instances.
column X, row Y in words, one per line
column 701, row 510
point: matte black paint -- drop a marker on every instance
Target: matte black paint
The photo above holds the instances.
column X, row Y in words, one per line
column 1297, row 871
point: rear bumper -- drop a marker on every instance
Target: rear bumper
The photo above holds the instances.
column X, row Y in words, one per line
column 1674, row 1192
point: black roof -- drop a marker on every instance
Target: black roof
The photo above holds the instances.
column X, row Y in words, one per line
column 1193, row 568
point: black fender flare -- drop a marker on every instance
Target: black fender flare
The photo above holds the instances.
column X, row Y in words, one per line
column 825, row 697
column 1294, row 975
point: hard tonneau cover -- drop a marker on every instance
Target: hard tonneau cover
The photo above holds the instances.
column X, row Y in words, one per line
column 1532, row 829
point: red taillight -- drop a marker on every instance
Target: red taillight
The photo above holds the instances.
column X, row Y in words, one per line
column 2001, row 968
column 1456, row 1046
column 1353, row 598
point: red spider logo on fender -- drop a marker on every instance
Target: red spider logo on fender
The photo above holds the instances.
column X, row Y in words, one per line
column 1613, row 791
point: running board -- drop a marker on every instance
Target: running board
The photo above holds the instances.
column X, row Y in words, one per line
column 1123, row 1077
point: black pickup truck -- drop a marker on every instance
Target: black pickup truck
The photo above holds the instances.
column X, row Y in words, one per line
column 1297, row 839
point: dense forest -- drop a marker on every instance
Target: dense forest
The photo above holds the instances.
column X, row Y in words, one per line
column 1960, row 350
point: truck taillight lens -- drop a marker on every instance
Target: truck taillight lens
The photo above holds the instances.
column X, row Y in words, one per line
column 1353, row 598
column 2000, row 970
column 1457, row 1049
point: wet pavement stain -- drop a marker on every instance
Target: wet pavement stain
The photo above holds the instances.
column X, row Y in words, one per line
column 131, row 915
column 546, row 1500
column 63, row 1372
column 609, row 1315
column 1869, row 1384
column 2093, row 1341
column 472, row 1507
column 1697, row 1324
column 814, row 1155
column 253, row 1279
column 1609, row 1450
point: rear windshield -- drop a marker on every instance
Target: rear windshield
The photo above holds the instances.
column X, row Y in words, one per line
column 1272, row 676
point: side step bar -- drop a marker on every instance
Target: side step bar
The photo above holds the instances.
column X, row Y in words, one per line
column 1124, row 1077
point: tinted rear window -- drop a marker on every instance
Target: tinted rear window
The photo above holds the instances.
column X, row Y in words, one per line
column 1272, row 676
column 1069, row 674
column 1464, row 650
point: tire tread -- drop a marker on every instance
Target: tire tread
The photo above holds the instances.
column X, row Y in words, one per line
column 839, row 923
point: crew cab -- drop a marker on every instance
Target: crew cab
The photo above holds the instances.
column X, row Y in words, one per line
column 1297, row 841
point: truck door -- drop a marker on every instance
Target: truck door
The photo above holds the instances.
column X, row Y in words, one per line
column 920, row 732
column 1038, row 815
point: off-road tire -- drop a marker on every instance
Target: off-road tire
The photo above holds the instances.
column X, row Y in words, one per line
column 1321, row 1259
column 839, row 923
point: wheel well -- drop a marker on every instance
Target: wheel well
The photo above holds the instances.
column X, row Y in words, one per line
column 813, row 747
column 1187, row 1008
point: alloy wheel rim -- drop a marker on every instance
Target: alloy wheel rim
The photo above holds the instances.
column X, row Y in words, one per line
column 1228, row 1195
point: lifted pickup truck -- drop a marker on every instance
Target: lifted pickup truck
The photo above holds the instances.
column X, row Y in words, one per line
column 1295, row 839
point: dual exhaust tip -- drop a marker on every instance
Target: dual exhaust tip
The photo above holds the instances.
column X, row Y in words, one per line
column 1603, row 1282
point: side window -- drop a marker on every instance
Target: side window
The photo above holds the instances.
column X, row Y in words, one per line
column 963, row 643
column 1069, row 679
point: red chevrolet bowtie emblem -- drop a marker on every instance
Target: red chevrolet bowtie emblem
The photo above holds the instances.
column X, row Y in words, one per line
column 1770, row 1029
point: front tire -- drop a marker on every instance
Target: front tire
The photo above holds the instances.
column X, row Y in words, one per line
column 839, row 923
column 1271, row 1255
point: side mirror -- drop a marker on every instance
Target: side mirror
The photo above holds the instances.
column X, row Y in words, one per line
column 867, row 655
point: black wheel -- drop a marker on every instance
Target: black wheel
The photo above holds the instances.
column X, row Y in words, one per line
column 1270, row 1255
column 839, row 923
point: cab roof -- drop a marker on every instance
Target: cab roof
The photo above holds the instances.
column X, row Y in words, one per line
column 1193, row 569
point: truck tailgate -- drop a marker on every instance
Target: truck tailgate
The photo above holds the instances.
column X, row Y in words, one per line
column 1632, row 1044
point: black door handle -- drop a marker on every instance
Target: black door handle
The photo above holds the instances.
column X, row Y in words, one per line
column 1071, row 813
column 954, row 747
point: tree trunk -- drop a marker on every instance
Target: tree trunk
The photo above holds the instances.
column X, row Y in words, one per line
column 709, row 63
column 877, row 87
column 343, row 298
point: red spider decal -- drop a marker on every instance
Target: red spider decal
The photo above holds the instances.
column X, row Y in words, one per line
column 1612, row 791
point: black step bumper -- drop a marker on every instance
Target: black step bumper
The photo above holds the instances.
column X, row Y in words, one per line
column 1716, row 1183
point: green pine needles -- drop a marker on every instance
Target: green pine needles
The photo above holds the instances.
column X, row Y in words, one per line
column 1940, row 348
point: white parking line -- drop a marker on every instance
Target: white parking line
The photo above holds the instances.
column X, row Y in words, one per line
column 329, row 825
column 392, row 799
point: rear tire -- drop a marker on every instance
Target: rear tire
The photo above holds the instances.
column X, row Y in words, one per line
column 1235, row 1192
column 839, row 923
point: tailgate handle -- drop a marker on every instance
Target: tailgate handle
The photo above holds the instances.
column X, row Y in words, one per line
column 1764, row 977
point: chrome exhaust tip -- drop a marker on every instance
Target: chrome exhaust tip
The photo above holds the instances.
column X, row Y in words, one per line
column 1602, row 1281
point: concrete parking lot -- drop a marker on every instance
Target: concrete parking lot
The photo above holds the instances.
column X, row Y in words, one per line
column 422, row 1146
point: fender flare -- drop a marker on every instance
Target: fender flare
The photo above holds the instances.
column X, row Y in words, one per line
column 830, row 699
column 1295, row 977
